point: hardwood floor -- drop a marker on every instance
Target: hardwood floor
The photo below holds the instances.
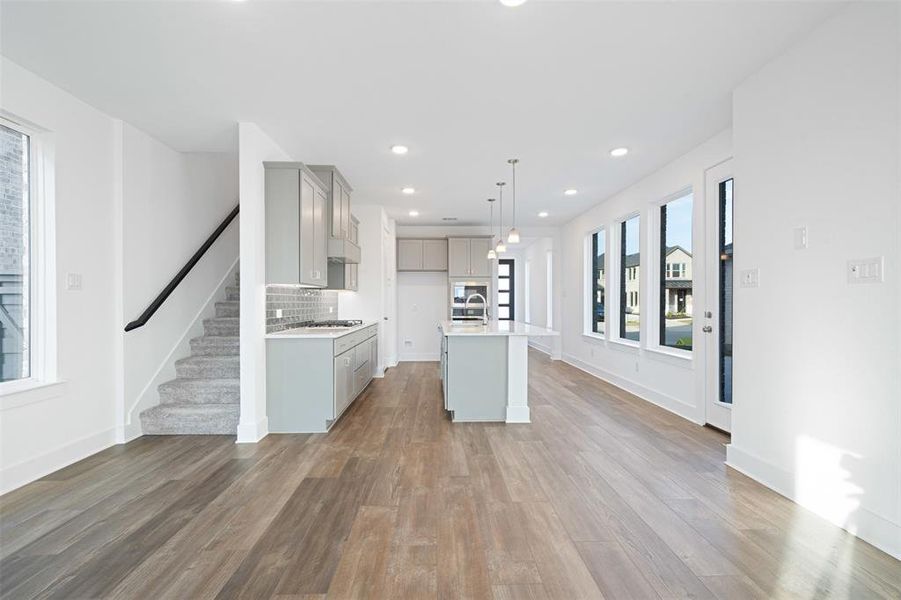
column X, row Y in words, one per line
column 603, row 495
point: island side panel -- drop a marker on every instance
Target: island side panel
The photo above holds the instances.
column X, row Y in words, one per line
column 518, row 380
column 477, row 377
column 299, row 385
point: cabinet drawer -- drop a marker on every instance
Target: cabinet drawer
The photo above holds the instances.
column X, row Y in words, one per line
column 361, row 378
column 356, row 338
column 361, row 355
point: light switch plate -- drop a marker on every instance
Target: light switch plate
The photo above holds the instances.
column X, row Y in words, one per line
column 73, row 281
column 800, row 236
column 750, row 278
column 865, row 270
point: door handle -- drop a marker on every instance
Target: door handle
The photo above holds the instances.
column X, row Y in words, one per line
column 707, row 329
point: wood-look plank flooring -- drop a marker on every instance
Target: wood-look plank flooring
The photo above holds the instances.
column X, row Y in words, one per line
column 602, row 496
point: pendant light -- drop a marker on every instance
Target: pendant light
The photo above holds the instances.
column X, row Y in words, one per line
column 513, row 236
column 501, row 247
column 491, row 253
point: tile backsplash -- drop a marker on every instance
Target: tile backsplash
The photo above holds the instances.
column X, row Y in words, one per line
column 298, row 305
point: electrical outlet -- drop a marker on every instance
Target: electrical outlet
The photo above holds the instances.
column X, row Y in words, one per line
column 408, row 343
column 278, row 313
column 331, row 309
column 73, row 281
column 800, row 235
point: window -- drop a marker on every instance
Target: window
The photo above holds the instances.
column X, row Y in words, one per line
column 675, row 279
column 549, row 290
column 725, row 292
column 505, row 290
column 630, row 262
column 527, row 276
column 15, row 254
column 598, row 283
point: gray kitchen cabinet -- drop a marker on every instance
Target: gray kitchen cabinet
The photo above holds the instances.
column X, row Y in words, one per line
column 343, row 276
column 311, row 381
column 479, row 265
column 434, row 255
column 344, row 381
column 458, row 257
column 468, row 257
column 421, row 254
column 341, row 248
column 296, row 251
column 409, row 255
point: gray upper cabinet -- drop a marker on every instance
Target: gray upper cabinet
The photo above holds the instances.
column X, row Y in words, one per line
column 409, row 255
column 340, row 246
column 421, row 254
column 434, row 255
column 468, row 257
column 345, row 276
column 296, row 235
column 458, row 257
column 479, row 265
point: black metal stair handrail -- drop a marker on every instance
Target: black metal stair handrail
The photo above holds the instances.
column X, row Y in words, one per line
column 170, row 287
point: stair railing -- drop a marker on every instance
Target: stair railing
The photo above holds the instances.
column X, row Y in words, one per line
column 170, row 287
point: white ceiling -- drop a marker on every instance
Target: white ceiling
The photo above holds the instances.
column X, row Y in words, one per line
column 465, row 85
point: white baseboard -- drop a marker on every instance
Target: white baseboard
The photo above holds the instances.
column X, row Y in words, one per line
column 863, row 523
column 518, row 414
column 544, row 349
column 420, row 357
column 251, row 433
column 665, row 401
column 27, row 471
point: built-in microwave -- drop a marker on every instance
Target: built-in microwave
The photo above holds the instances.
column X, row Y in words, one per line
column 463, row 289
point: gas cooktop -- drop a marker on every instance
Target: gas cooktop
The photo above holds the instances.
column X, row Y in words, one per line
column 331, row 324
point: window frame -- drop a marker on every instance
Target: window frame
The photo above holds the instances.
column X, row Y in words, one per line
column 657, row 275
column 627, row 274
column 589, row 291
column 42, row 266
column 511, row 290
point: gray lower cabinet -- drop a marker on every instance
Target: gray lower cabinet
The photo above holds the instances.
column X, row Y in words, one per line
column 310, row 382
column 296, row 234
column 474, row 377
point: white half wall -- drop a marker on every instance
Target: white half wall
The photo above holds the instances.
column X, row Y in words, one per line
column 254, row 147
column 817, row 393
column 172, row 202
column 675, row 383
column 47, row 429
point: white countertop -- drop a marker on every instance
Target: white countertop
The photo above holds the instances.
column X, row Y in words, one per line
column 505, row 328
column 317, row 332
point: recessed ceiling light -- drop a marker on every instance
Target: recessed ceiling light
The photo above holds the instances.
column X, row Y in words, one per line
column 542, row 214
column 399, row 149
column 409, row 190
column 570, row 192
column 414, row 213
column 619, row 152
column 512, row 3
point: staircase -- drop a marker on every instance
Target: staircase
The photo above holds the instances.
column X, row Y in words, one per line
column 204, row 398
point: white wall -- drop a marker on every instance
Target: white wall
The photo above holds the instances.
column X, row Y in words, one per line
column 254, row 147
column 172, row 202
column 817, row 395
column 44, row 430
column 374, row 278
column 421, row 303
column 674, row 383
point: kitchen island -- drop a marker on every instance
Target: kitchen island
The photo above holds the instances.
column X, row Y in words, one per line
column 485, row 369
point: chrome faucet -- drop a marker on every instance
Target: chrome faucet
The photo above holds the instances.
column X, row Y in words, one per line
column 484, row 306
